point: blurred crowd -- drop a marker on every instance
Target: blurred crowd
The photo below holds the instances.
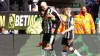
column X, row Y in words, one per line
column 18, row 5
column 87, row 20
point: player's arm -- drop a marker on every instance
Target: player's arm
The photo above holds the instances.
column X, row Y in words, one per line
column 49, row 16
column 71, row 27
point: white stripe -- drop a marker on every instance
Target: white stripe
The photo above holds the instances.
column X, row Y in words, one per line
column 51, row 39
column 56, row 13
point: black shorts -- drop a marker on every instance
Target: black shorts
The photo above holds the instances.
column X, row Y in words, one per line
column 66, row 38
column 65, row 42
column 46, row 39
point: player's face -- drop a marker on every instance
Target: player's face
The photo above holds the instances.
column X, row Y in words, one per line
column 68, row 10
column 3, row 30
column 43, row 7
column 57, row 10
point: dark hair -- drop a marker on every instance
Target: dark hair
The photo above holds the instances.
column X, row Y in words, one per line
column 68, row 7
column 1, row 29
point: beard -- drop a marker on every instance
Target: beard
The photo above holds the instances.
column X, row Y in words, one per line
column 83, row 12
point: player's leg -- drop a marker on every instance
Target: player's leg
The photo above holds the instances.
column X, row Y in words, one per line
column 44, row 44
column 54, row 32
column 50, row 44
column 53, row 53
column 52, row 37
column 43, row 52
column 70, row 44
column 64, row 51
column 71, row 49
column 51, row 40
column 45, row 41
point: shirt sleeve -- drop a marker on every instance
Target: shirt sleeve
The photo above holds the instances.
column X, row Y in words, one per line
column 72, row 21
column 92, row 25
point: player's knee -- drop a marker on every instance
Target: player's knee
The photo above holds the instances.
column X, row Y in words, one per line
column 71, row 49
column 64, row 47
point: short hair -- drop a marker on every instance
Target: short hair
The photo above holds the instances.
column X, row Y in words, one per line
column 1, row 29
column 83, row 6
column 43, row 3
column 65, row 9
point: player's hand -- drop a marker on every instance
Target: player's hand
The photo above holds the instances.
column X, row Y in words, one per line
column 62, row 32
column 52, row 30
column 69, row 41
column 58, row 32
